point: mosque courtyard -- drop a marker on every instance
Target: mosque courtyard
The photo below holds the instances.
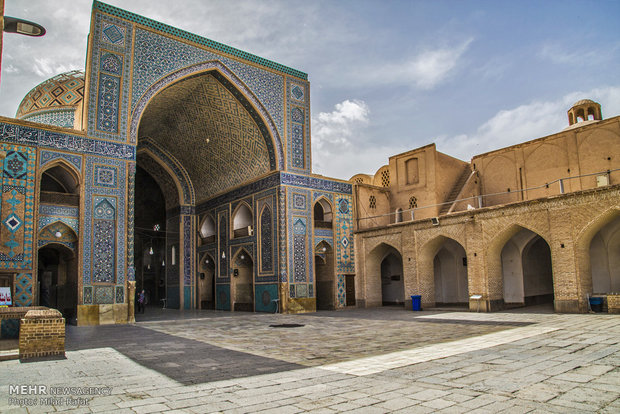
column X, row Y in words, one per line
column 361, row 360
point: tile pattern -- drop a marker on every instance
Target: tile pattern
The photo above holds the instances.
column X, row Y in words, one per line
column 223, row 243
column 49, row 214
column 65, row 89
column 131, row 195
column 17, row 207
column 105, row 176
column 50, row 233
column 23, row 290
column 298, row 133
column 47, row 156
column 104, row 235
column 108, row 113
column 342, row 297
column 158, row 57
column 103, row 295
column 299, row 249
column 87, row 296
column 237, row 135
column 64, row 142
column 222, row 297
column 266, row 240
column 64, row 118
column 120, row 294
column 106, row 8
column 264, row 295
column 179, row 171
column 93, row 198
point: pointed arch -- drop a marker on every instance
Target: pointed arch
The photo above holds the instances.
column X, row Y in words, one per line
column 229, row 80
column 173, row 167
column 242, row 220
column 207, row 229
column 442, row 270
column 378, row 275
column 266, row 239
column 323, row 213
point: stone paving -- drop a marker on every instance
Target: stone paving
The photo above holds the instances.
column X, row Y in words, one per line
column 368, row 361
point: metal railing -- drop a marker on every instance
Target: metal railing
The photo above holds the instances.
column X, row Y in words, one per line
column 479, row 199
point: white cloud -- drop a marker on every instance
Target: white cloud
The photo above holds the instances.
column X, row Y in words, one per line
column 333, row 129
column 524, row 123
column 333, row 133
column 425, row 70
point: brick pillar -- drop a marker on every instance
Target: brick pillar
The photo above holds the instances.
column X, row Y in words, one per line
column 42, row 334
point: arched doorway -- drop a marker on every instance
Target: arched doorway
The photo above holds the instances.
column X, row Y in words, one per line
column 392, row 286
column 450, row 274
column 527, row 273
column 57, row 256
column 324, row 276
column 384, row 281
column 243, row 282
column 58, row 279
column 605, row 258
column 242, row 221
column 150, row 256
column 206, row 283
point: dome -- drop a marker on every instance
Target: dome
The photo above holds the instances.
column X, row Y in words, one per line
column 584, row 102
column 55, row 100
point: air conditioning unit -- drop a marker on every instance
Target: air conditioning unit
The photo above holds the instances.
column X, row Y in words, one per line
column 602, row 180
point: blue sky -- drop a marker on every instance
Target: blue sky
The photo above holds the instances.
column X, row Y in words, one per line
column 386, row 76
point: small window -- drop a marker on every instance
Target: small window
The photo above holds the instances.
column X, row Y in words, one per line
column 372, row 202
column 413, row 202
column 385, row 178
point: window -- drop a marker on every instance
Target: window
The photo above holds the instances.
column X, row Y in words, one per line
column 372, row 202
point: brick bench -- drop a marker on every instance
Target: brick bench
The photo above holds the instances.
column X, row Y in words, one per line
column 42, row 334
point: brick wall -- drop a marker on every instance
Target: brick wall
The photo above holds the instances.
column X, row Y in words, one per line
column 42, row 333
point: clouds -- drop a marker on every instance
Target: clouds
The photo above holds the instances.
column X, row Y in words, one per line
column 525, row 122
column 424, row 69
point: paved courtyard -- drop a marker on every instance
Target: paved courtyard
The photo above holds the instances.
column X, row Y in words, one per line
column 363, row 360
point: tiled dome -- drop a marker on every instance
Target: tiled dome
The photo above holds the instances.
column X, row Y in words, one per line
column 55, row 100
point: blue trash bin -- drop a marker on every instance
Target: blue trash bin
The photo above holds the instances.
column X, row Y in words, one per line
column 596, row 304
column 416, row 302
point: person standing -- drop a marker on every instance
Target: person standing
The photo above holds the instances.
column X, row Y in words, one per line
column 141, row 301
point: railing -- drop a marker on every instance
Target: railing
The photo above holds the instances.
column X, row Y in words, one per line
column 478, row 200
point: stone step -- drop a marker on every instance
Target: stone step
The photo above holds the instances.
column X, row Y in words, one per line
column 9, row 354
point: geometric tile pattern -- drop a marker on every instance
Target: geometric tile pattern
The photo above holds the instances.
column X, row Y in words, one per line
column 131, row 195
column 111, row 63
column 23, row 290
column 108, row 103
column 57, row 232
column 341, row 292
column 169, row 121
column 264, row 296
column 17, row 206
column 299, row 250
column 298, row 140
column 157, row 56
column 47, row 156
column 104, row 203
column 113, row 34
column 299, row 201
column 65, row 89
column 266, row 240
column 63, row 118
column 120, row 294
column 105, row 176
column 344, row 234
column 199, row 40
column 49, row 214
column 104, row 235
column 88, row 295
column 104, row 295
column 110, row 57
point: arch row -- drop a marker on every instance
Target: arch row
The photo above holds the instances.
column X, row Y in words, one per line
column 514, row 264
